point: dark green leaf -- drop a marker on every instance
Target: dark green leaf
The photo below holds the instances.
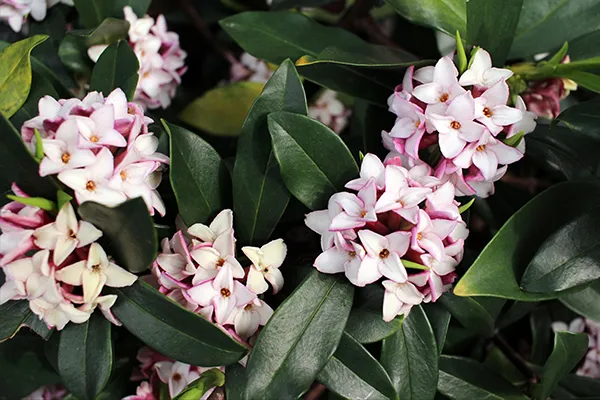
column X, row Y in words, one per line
column 410, row 356
column 15, row 74
column 284, row 4
column 259, row 195
column 541, row 333
column 486, row 30
column 117, row 67
column 172, row 330
column 464, row 378
column 299, row 338
column 583, row 117
column 580, row 386
column 198, row 175
column 85, row 356
column 366, row 323
column 568, row 258
column 303, row 148
column 476, row 314
column 585, row 302
column 499, row 267
column 569, row 348
column 129, row 234
column 235, row 382
column 93, row 12
column 499, row 362
column 208, row 380
column 446, row 15
column 15, row 315
column 111, row 30
column 73, row 54
column 351, row 362
column 359, row 54
column 439, row 318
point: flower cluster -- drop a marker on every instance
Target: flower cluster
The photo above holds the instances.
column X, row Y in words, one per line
column 99, row 147
column 56, row 264
column 403, row 224
column 156, row 369
column 250, row 69
column 329, row 110
column 462, row 121
column 14, row 12
column 162, row 61
column 591, row 363
column 49, row 392
column 201, row 272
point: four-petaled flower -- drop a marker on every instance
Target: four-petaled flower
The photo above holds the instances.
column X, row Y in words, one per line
column 265, row 266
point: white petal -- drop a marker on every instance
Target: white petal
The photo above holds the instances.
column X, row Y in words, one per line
column 274, row 253
column 117, row 276
column 256, row 281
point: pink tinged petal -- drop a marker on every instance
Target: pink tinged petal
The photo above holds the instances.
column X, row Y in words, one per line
column 504, row 153
column 222, row 222
column 65, row 245
column 318, row 221
column 363, row 272
column 494, row 75
column 223, row 307
column 503, row 115
column 442, row 227
column 410, row 214
column 164, row 370
column 391, row 305
column 74, row 179
column 19, row 270
column 408, row 293
column 92, row 282
column 372, row 242
column 436, row 285
column 413, row 142
column 203, row 294
column 487, row 162
column 429, row 93
column 202, row 232
column 496, row 95
column 246, row 323
column 471, row 131
column 236, row 269
column 331, row 261
column 225, row 243
column 395, row 178
column 424, row 75
column 451, row 144
column 275, row 278
column 264, row 311
column 117, row 276
column 462, row 108
column 206, row 257
column 445, row 73
column 465, row 158
column 403, row 128
column 242, row 294
column 433, row 244
column 344, row 221
column 12, row 290
column 387, row 202
column 399, row 242
column 392, row 268
column 256, row 281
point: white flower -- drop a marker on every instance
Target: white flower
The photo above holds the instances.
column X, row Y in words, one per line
column 220, row 256
column 247, row 319
column 176, row 375
column 481, row 72
column 399, row 299
column 265, row 265
column 222, row 222
column 63, row 153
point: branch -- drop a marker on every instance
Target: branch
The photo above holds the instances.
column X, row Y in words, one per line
column 515, row 358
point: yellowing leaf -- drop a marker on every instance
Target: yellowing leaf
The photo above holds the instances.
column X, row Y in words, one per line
column 222, row 111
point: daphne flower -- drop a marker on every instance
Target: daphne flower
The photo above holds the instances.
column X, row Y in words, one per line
column 105, row 304
column 64, row 152
column 437, row 269
column 383, row 255
column 220, row 256
column 576, row 325
column 94, row 273
column 222, row 223
column 481, row 72
column 526, row 125
column 265, row 265
column 399, row 297
column 444, row 87
column 441, row 203
column 224, row 293
column 399, row 196
column 98, row 130
column 176, row 375
column 492, row 111
column 247, row 319
column 357, row 209
column 428, row 234
column 320, row 221
column 57, row 315
column 345, row 256
column 65, row 234
column 370, row 168
column 329, row 110
column 142, row 392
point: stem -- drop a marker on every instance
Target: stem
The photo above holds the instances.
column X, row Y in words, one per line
column 357, row 11
column 515, row 358
column 315, row 392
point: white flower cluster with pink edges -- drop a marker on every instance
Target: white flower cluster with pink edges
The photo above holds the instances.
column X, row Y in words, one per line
column 329, row 110
column 15, row 12
column 99, row 147
column 56, row 264
column 402, row 224
column 591, row 363
column 461, row 120
column 162, row 61
column 200, row 271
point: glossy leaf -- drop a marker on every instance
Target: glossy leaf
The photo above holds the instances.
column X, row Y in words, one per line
column 585, row 302
column 259, row 194
column 410, row 356
column 445, row 15
column 38, row 202
column 580, row 386
column 476, row 314
column 285, row 4
column 17, row 314
column 128, row 232
column 222, row 110
column 583, row 117
column 351, row 362
column 540, row 323
column 486, row 30
column 568, row 258
column 40, row 87
column 464, row 378
column 235, row 382
column 198, row 175
column 111, row 30
column 303, row 149
column 85, row 356
column 498, row 268
column 365, row 323
column 439, row 318
column 500, row 363
column 569, row 348
column 299, row 338
column 208, row 380
column 15, row 74
column 172, row 330
column 117, row 67
column 73, row 54
column 93, row 12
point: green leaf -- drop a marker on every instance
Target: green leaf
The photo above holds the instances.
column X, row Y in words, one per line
column 365, row 323
column 439, row 318
column 466, row 206
column 478, row 315
column 583, row 117
column 39, row 146
column 15, row 74
column 584, row 79
column 585, row 302
column 360, row 54
column 464, row 378
column 73, row 54
column 541, row 334
column 111, row 30
column 17, row 314
column 445, row 15
column 486, row 30
column 299, row 338
column 235, row 382
column 498, row 268
column 62, row 198
column 93, row 12
column 222, row 110
column 117, row 67
column 568, row 258
column 285, row 4
column 351, row 362
column 208, row 380
column 303, row 148
column 129, row 234
column 39, row 202
column 461, row 56
column 198, row 175
column 569, row 348
column 410, row 356
column 40, row 87
column 580, row 386
column 559, row 55
column 259, row 194
column 515, row 140
column 172, row 330
column 276, row 36
column 499, row 362
column 85, row 356
column 18, row 165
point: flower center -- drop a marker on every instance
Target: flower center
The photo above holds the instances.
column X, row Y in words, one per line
column 487, row 112
column 417, row 124
column 481, row 147
column 94, row 139
column 123, row 175
column 65, row 157
column 455, row 125
column 90, row 186
column 220, row 263
column 363, row 213
column 177, row 377
column 131, row 110
column 444, row 97
column 72, row 234
column 352, row 254
column 96, row 268
column 419, row 236
column 225, row 292
column 248, row 307
column 384, row 253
